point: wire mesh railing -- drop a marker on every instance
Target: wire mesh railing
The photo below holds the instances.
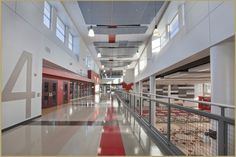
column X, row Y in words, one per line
column 192, row 130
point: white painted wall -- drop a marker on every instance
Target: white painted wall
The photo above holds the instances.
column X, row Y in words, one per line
column 129, row 76
column 206, row 23
column 23, row 30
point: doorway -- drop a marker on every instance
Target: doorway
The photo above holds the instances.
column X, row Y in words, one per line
column 65, row 92
column 49, row 93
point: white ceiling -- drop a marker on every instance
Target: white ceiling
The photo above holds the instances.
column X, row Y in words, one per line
column 119, row 12
column 141, row 13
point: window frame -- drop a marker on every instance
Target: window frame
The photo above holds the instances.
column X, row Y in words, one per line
column 45, row 16
column 58, row 29
column 176, row 30
column 70, row 42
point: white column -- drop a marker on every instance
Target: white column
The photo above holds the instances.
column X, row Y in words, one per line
column 140, row 86
column 152, row 84
column 169, row 89
column 222, row 75
column 222, row 60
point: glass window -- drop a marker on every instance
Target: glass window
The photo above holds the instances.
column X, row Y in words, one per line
column 174, row 26
column 156, row 44
column 47, row 14
column 60, row 30
column 70, row 42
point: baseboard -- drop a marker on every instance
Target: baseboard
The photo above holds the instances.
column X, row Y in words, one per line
column 21, row 123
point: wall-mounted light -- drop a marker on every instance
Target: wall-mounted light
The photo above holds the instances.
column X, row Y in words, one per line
column 91, row 32
column 168, row 28
column 156, row 32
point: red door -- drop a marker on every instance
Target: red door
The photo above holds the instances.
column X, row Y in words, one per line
column 49, row 93
column 65, row 92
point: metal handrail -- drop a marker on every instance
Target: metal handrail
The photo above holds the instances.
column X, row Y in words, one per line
column 221, row 121
column 190, row 100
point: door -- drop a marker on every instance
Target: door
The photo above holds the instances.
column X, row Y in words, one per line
column 49, row 93
column 65, row 92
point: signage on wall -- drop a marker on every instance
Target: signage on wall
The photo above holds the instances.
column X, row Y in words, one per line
column 9, row 95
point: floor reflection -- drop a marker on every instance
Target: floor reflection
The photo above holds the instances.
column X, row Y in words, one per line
column 72, row 128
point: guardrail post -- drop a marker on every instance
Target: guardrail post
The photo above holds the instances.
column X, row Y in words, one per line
column 222, row 135
column 140, row 105
column 130, row 100
column 134, row 103
column 150, row 113
column 222, row 149
column 169, row 121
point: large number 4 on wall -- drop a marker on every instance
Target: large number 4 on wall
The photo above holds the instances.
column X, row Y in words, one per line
column 9, row 95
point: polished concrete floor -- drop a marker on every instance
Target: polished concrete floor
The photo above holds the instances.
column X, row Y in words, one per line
column 96, row 125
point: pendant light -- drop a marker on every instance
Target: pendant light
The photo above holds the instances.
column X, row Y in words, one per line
column 156, row 31
column 91, row 32
column 99, row 55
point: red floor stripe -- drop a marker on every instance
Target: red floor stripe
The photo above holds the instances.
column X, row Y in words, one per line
column 111, row 140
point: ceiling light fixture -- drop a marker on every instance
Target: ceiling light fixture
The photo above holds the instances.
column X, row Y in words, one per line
column 102, row 66
column 91, row 32
column 99, row 55
column 156, row 31
column 168, row 28
column 128, row 65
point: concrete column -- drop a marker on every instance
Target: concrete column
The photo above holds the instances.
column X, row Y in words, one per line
column 222, row 59
column 152, row 85
column 169, row 89
column 222, row 75
column 140, row 86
